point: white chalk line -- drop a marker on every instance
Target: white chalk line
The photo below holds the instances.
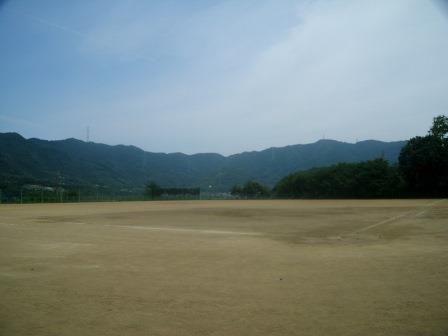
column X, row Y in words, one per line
column 398, row 217
column 421, row 213
column 183, row 230
column 388, row 220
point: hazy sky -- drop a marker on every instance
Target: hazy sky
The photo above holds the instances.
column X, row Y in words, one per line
column 222, row 76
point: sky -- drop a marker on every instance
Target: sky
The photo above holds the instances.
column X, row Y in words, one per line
column 222, row 76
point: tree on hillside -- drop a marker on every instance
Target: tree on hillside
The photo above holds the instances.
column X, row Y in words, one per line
column 423, row 161
column 236, row 190
column 251, row 189
column 153, row 190
column 369, row 179
column 439, row 128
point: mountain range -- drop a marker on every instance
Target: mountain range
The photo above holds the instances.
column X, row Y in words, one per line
column 73, row 162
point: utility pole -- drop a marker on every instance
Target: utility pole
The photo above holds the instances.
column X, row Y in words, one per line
column 88, row 134
column 42, row 195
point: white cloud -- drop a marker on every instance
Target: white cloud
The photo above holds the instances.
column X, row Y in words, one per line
column 349, row 69
column 243, row 75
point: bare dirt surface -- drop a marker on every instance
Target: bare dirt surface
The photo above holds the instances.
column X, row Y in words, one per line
column 225, row 268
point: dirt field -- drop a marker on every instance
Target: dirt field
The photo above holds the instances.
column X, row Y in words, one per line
column 225, row 268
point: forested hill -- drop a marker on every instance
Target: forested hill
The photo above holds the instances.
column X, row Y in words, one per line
column 75, row 162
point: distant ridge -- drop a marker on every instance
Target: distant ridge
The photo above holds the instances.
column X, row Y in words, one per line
column 75, row 162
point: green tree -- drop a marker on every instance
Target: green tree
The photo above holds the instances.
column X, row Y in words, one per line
column 236, row 190
column 255, row 189
column 153, row 190
column 423, row 161
column 251, row 189
column 439, row 127
column 369, row 179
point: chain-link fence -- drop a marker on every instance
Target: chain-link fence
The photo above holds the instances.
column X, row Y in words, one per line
column 60, row 195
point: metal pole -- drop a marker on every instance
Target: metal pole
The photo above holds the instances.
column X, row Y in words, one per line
column 41, row 195
column 21, row 195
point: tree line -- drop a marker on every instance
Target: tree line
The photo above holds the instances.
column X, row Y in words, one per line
column 154, row 191
column 422, row 171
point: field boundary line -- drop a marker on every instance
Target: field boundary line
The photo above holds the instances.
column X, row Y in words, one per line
column 400, row 216
column 385, row 221
column 183, row 230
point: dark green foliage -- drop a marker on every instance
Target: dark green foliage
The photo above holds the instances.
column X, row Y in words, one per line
column 181, row 191
column 423, row 161
column 270, row 165
column 236, row 190
column 250, row 189
column 370, row 179
column 73, row 162
column 74, row 169
column 423, row 171
column 153, row 190
column 439, row 128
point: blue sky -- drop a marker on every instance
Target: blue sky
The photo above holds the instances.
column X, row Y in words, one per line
column 222, row 76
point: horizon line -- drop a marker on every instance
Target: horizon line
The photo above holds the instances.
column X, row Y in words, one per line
column 201, row 153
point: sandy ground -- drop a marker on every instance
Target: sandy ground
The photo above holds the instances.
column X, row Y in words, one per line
column 225, row 268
